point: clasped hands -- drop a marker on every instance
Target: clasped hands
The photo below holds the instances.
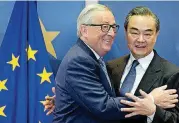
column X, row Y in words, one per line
column 138, row 106
column 147, row 105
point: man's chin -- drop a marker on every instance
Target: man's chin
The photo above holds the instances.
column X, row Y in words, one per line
column 139, row 54
column 107, row 50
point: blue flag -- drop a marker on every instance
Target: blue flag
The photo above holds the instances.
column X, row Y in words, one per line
column 25, row 73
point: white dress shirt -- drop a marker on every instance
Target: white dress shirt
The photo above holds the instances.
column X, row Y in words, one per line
column 140, row 71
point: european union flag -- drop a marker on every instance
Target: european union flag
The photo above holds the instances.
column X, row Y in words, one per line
column 25, row 73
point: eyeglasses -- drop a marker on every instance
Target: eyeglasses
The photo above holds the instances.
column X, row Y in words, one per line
column 106, row 27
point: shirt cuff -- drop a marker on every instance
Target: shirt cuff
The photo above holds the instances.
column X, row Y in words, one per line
column 151, row 117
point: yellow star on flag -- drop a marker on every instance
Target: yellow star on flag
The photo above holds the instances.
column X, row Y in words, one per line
column 14, row 62
column 31, row 53
column 45, row 76
column 45, row 100
column 49, row 36
column 2, row 111
column 2, row 84
column 42, row 102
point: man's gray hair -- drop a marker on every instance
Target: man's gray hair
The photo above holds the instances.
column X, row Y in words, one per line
column 86, row 15
column 143, row 11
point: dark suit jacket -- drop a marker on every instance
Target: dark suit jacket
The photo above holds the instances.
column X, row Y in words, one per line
column 159, row 72
column 83, row 94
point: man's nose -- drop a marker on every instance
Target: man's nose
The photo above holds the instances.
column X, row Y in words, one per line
column 111, row 32
column 141, row 38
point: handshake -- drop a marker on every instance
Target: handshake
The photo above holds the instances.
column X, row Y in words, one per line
column 136, row 106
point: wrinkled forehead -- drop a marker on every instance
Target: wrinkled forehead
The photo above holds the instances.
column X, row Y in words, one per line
column 103, row 17
column 142, row 23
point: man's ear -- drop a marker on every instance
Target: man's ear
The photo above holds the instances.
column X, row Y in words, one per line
column 125, row 32
column 158, row 32
column 83, row 30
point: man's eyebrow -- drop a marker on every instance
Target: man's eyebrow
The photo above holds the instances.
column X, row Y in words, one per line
column 133, row 28
column 148, row 30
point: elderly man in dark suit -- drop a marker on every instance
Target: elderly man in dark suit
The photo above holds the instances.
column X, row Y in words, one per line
column 141, row 29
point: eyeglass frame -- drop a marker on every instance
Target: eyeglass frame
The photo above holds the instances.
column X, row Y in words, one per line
column 110, row 26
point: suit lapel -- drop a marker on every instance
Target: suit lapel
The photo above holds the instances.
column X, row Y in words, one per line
column 103, row 78
column 81, row 44
column 105, row 83
column 117, row 73
column 151, row 76
column 120, row 68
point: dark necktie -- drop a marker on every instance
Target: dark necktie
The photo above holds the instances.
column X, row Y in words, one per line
column 103, row 66
column 129, row 80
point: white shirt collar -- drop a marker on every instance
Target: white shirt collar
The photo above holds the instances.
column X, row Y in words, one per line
column 97, row 56
column 144, row 62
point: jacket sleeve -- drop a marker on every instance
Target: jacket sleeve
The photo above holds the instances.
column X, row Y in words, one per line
column 84, row 86
column 169, row 115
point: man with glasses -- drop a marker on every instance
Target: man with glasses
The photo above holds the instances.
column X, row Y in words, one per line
column 84, row 93
column 141, row 29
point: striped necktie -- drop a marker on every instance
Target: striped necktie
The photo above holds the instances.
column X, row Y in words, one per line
column 103, row 66
column 129, row 80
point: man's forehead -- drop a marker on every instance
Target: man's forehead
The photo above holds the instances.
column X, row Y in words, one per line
column 145, row 23
column 146, row 19
column 105, row 17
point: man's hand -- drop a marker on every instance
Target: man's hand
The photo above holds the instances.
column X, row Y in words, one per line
column 49, row 103
column 141, row 106
column 165, row 98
